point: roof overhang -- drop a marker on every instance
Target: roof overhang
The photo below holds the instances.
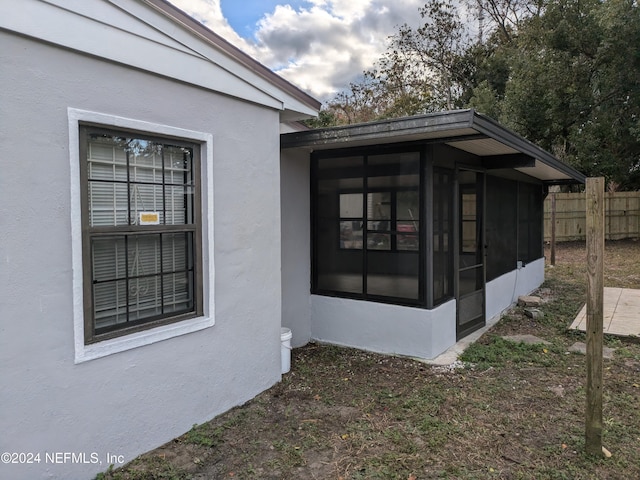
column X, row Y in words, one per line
column 466, row 130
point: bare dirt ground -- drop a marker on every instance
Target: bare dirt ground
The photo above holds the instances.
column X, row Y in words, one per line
column 509, row 411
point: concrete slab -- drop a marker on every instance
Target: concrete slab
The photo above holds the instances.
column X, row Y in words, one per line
column 621, row 312
column 529, row 301
column 581, row 348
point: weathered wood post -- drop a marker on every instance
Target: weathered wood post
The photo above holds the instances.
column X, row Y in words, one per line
column 595, row 299
column 553, row 228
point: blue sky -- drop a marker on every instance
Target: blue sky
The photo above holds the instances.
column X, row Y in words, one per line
column 319, row 45
column 243, row 15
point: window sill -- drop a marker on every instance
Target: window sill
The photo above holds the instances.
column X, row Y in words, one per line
column 84, row 353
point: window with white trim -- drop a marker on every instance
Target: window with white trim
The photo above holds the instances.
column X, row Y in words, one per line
column 141, row 231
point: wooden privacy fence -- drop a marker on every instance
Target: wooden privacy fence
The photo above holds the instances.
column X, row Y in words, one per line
column 622, row 216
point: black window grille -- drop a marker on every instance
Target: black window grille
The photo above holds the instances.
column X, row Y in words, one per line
column 141, row 231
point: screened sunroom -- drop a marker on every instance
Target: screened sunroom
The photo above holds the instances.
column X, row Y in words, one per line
column 421, row 229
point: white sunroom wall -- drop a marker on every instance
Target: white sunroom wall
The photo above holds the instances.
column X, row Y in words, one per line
column 503, row 292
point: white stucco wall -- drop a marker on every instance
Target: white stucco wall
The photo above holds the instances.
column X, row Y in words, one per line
column 410, row 331
column 383, row 328
column 296, row 245
column 128, row 402
column 504, row 291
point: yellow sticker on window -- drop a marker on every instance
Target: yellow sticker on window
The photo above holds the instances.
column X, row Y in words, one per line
column 149, row 218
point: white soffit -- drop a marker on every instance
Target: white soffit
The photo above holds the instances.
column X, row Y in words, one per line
column 544, row 172
column 483, row 147
column 186, row 36
column 290, row 103
column 491, row 147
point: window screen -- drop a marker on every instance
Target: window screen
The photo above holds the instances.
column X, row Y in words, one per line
column 502, row 226
column 530, row 226
column 367, row 223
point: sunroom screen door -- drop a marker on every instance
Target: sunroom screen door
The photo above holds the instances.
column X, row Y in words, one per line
column 470, row 288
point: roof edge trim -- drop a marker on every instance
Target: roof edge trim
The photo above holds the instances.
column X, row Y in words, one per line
column 441, row 121
column 184, row 19
column 434, row 127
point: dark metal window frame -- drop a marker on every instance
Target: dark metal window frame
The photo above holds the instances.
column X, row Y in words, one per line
column 445, row 204
column 393, row 220
column 365, row 152
column 348, row 191
column 88, row 233
column 429, row 169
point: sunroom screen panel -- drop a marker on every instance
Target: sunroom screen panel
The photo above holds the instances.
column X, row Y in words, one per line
column 339, row 220
column 364, row 247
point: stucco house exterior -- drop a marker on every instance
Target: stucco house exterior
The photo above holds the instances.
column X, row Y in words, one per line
column 162, row 218
column 140, row 240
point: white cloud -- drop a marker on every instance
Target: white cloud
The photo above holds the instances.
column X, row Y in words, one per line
column 320, row 47
column 209, row 13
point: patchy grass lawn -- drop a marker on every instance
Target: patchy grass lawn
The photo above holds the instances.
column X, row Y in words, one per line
column 512, row 412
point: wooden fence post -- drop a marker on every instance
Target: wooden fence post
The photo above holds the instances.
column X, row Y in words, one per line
column 595, row 297
column 553, row 229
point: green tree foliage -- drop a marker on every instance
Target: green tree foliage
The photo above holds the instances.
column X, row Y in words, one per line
column 574, row 86
column 361, row 103
column 563, row 73
column 326, row 118
column 414, row 75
